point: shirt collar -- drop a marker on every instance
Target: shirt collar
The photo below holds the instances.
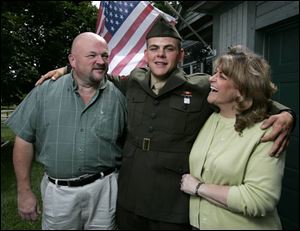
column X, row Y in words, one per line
column 101, row 86
column 156, row 81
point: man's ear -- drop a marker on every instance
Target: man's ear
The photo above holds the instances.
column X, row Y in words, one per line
column 72, row 60
column 146, row 55
column 181, row 55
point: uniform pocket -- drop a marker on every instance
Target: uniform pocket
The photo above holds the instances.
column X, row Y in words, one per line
column 186, row 113
column 136, row 102
column 177, row 163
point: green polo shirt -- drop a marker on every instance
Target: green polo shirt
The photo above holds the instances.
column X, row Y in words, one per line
column 71, row 138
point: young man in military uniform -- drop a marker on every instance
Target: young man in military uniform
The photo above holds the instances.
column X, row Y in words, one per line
column 166, row 110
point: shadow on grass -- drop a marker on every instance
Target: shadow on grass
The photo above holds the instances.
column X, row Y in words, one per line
column 10, row 219
column 7, row 173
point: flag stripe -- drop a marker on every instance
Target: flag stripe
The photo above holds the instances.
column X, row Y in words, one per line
column 142, row 62
column 134, row 43
column 140, row 44
column 100, row 21
column 126, row 25
column 133, row 29
column 107, row 37
column 137, row 61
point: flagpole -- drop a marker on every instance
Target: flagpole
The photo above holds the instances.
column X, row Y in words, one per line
column 197, row 35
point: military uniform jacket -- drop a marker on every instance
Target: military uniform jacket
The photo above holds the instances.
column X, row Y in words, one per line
column 161, row 131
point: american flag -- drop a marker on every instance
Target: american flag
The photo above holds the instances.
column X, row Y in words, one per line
column 124, row 25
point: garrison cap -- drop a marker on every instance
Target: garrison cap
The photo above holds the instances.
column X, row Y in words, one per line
column 162, row 28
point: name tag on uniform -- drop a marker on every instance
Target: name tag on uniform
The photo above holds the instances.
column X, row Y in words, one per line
column 186, row 100
column 187, row 95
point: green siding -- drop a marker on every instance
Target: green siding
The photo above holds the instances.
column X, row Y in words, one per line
column 282, row 51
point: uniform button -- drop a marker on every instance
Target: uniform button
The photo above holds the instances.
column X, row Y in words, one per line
column 155, row 102
column 81, row 129
column 150, row 129
column 153, row 115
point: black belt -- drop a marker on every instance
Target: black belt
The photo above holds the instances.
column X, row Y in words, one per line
column 83, row 180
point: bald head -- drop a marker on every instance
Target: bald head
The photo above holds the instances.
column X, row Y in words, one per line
column 83, row 39
column 89, row 58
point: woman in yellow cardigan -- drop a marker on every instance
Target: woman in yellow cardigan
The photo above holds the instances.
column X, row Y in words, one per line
column 233, row 182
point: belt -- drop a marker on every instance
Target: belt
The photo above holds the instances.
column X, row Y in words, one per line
column 148, row 144
column 82, row 180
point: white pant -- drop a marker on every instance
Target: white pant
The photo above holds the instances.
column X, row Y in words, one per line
column 89, row 207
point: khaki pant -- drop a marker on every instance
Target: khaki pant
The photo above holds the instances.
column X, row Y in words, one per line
column 89, row 207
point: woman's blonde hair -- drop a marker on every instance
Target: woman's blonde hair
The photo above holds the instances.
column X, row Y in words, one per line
column 252, row 76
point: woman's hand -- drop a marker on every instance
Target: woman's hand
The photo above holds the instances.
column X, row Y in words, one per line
column 188, row 184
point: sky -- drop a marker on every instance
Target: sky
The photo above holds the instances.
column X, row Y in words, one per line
column 96, row 3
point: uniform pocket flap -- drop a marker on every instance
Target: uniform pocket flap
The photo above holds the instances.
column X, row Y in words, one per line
column 177, row 165
column 188, row 103
column 137, row 97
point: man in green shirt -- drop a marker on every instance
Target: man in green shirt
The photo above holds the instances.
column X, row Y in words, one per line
column 74, row 127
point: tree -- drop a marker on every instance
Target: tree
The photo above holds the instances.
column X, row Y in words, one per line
column 36, row 37
column 161, row 5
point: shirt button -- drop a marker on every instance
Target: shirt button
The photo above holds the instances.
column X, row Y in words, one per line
column 150, row 129
column 153, row 115
column 81, row 129
column 155, row 102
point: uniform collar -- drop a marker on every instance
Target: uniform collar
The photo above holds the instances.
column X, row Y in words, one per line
column 143, row 77
column 157, row 84
column 176, row 79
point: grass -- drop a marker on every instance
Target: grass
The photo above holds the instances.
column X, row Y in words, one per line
column 10, row 219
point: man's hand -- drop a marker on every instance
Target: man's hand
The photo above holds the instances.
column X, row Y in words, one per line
column 28, row 206
column 54, row 74
column 281, row 128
